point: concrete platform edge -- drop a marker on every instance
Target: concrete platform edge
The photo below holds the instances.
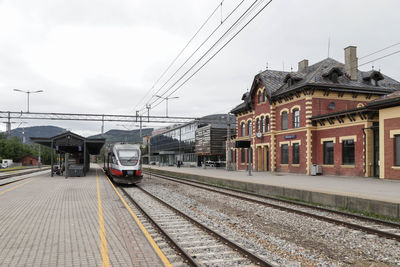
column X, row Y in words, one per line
column 383, row 208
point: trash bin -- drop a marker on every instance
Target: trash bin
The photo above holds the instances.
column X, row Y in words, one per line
column 316, row 169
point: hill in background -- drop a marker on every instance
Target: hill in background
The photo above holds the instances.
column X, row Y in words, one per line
column 111, row 136
column 36, row 131
column 132, row 136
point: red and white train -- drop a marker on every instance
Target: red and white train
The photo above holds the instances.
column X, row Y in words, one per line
column 123, row 163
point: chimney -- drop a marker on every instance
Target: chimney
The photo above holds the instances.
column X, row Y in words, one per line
column 351, row 62
column 303, row 65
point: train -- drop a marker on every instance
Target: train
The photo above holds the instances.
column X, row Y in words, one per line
column 123, row 163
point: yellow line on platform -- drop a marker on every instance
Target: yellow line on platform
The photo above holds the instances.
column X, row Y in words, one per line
column 146, row 234
column 12, row 188
column 102, row 230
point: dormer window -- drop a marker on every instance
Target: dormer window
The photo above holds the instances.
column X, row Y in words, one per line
column 289, row 82
column 334, row 77
column 332, row 74
column 259, row 97
column 373, row 77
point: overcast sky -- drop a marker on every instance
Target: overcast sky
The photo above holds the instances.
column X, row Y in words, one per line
column 99, row 56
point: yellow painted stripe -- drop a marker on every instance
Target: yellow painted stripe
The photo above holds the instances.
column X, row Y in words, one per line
column 102, row 230
column 147, row 235
column 12, row 188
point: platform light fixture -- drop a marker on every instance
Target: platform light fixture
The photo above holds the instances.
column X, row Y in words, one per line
column 28, row 93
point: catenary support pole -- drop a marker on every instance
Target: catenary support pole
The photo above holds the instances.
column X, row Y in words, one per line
column 249, row 149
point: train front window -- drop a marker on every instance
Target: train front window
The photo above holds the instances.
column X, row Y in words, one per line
column 128, row 157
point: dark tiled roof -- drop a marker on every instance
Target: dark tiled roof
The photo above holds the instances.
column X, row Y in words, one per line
column 393, row 98
column 316, row 75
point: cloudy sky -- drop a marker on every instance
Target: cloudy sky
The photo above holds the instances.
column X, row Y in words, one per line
column 98, row 56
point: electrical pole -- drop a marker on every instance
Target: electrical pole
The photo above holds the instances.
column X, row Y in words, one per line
column 102, row 125
column 166, row 102
column 249, row 156
column 148, row 106
column 28, row 93
column 39, row 159
column 228, row 145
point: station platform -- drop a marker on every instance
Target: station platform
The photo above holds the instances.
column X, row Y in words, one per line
column 79, row 221
column 373, row 195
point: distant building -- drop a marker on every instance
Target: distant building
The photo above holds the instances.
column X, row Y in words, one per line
column 29, row 161
column 191, row 143
column 329, row 114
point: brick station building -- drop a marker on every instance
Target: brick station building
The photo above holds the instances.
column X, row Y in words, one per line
column 327, row 114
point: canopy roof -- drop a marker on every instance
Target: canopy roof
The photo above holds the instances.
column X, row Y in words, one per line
column 70, row 142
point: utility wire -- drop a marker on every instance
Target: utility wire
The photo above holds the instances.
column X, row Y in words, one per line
column 219, row 50
column 208, row 37
column 391, row 54
column 373, row 53
column 244, row 14
column 180, row 53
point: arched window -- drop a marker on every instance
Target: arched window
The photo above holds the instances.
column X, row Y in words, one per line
column 258, row 125
column 265, row 95
column 249, row 128
column 243, row 129
column 259, row 97
column 284, row 119
column 267, row 124
column 262, row 124
column 296, row 118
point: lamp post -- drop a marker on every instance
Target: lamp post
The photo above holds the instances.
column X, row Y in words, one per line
column 166, row 101
column 28, row 93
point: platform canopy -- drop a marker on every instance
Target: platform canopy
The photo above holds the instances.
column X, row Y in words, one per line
column 69, row 142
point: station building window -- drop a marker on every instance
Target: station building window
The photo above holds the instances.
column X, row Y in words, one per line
column 242, row 155
column 348, row 152
column 259, row 97
column 328, row 152
column 243, row 129
column 284, row 154
column 267, row 124
column 397, row 150
column 284, row 117
column 296, row 153
column 249, row 128
column 262, row 124
column 296, row 118
column 265, row 95
column 258, row 125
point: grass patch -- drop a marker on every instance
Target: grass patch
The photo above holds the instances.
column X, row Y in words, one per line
column 15, row 168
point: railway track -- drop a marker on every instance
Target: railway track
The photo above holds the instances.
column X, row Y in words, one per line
column 365, row 224
column 197, row 244
column 3, row 177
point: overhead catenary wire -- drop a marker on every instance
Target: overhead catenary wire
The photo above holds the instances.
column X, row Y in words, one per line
column 235, row 24
column 180, row 53
column 388, row 55
column 221, row 48
column 197, row 49
column 376, row 52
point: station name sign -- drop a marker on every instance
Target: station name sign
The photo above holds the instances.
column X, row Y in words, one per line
column 292, row 136
column 242, row 144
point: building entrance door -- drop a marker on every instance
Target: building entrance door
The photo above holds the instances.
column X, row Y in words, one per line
column 267, row 158
column 259, row 159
